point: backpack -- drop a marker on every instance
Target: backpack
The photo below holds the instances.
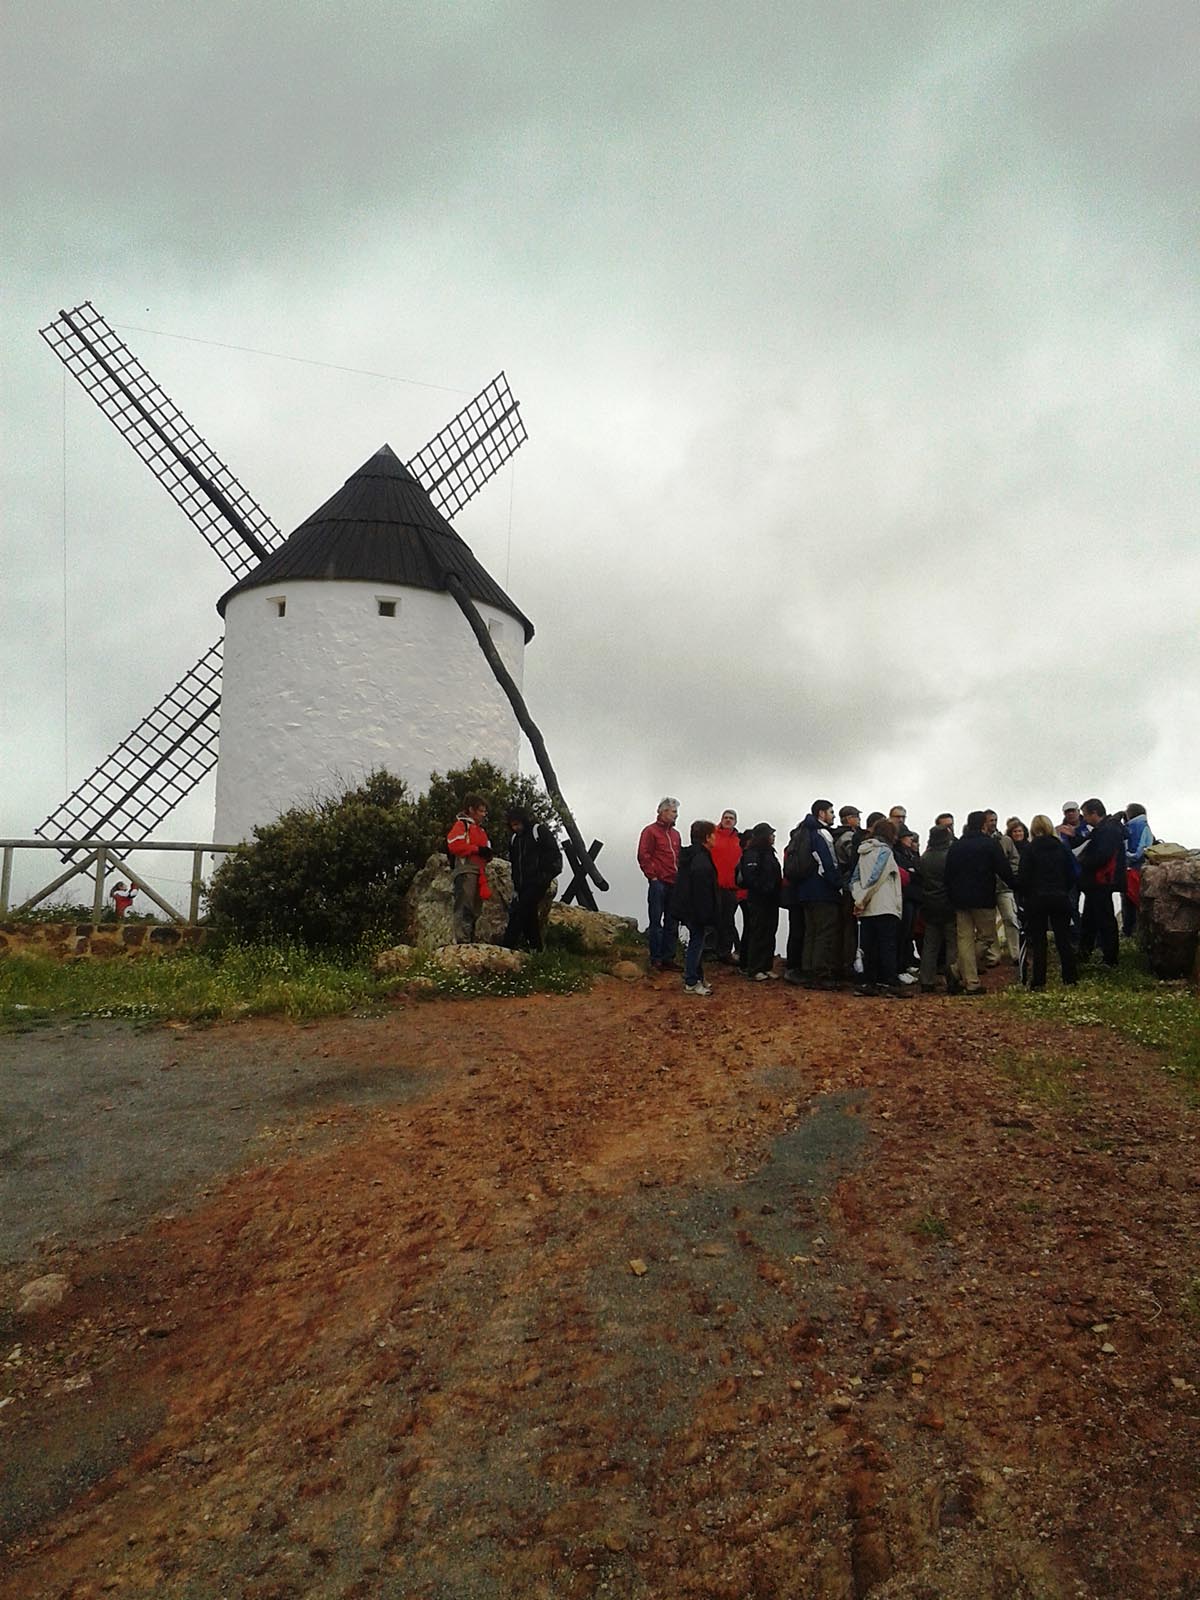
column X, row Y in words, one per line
column 550, row 856
column 799, row 860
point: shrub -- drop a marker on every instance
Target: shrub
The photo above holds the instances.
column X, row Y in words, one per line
column 333, row 876
column 499, row 790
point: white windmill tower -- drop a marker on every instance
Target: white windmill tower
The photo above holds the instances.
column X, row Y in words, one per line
column 344, row 652
column 383, row 539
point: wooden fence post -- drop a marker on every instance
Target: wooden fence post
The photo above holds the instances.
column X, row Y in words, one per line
column 98, row 896
column 197, row 885
column 6, row 879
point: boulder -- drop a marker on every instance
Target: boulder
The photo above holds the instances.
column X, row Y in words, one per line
column 1169, row 915
column 40, row 1294
column 600, row 931
column 478, row 958
column 398, row 959
column 629, row 971
column 430, row 903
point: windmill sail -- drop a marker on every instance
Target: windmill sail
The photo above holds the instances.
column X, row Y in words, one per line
column 471, row 448
column 151, row 770
column 227, row 516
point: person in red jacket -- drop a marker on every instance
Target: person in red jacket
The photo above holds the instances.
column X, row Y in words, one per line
column 470, row 850
column 658, row 857
column 726, row 851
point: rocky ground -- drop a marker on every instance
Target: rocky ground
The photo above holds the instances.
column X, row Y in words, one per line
column 625, row 1294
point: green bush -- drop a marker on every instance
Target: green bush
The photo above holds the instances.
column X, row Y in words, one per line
column 333, row 876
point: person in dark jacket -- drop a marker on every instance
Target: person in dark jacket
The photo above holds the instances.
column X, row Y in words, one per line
column 847, row 837
column 908, row 856
column 820, row 894
column 1045, row 878
column 938, row 946
column 790, row 901
column 973, row 865
column 694, row 902
column 762, row 879
column 536, row 861
column 1101, row 875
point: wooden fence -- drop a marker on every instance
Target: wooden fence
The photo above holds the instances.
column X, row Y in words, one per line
column 99, row 858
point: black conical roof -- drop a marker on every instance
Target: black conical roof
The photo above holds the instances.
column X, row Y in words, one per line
column 381, row 527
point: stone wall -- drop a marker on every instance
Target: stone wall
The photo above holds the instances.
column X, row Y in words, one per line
column 78, row 941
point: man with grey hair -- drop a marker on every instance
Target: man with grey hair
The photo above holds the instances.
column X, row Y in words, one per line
column 658, row 857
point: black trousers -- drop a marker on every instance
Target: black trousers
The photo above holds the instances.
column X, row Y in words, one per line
column 524, row 930
column 793, row 957
column 1098, row 925
column 1037, row 919
column 727, row 938
column 762, row 925
column 879, row 940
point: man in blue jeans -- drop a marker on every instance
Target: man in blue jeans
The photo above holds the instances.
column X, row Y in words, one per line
column 658, row 857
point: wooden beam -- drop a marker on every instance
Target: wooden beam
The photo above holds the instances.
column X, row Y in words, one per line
column 458, row 592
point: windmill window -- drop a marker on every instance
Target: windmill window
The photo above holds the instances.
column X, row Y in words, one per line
column 279, row 604
column 387, row 608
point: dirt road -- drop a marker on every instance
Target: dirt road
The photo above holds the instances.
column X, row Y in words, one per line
column 625, row 1294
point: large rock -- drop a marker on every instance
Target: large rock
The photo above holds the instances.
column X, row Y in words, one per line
column 430, row 903
column 43, row 1293
column 600, row 931
column 1169, row 917
column 477, row 958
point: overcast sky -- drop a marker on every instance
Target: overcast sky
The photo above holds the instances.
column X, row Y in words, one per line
column 857, row 345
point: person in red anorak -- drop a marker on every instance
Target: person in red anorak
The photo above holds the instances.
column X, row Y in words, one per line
column 726, row 851
column 470, row 850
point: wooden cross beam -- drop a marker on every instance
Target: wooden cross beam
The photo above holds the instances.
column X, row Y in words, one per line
column 579, row 889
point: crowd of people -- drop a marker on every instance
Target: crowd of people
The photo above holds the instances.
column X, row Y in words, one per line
column 868, row 907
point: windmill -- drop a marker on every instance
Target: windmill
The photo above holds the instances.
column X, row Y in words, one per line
column 176, row 744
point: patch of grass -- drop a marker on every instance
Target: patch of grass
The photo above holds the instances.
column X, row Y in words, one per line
column 246, row 980
column 931, row 1226
column 1042, row 1075
column 550, row 971
column 1132, row 1002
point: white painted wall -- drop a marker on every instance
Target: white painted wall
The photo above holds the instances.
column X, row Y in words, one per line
column 314, row 700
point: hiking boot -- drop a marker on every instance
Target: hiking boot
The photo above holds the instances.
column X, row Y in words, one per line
column 866, row 991
column 791, row 975
column 696, row 988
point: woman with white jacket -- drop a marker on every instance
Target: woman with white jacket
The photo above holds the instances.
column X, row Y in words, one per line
column 876, row 891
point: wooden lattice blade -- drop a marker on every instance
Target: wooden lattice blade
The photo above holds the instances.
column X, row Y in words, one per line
column 195, row 477
column 471, row 448
column 151, row 770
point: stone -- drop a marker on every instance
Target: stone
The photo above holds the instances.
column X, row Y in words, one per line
column 134, row 934
column 397, row 959
column 599, row 931
column 164, row 935
column 629, row 971
column 1169, row 917
column 479, row 958
column 429, row 904
column 40, row 1294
